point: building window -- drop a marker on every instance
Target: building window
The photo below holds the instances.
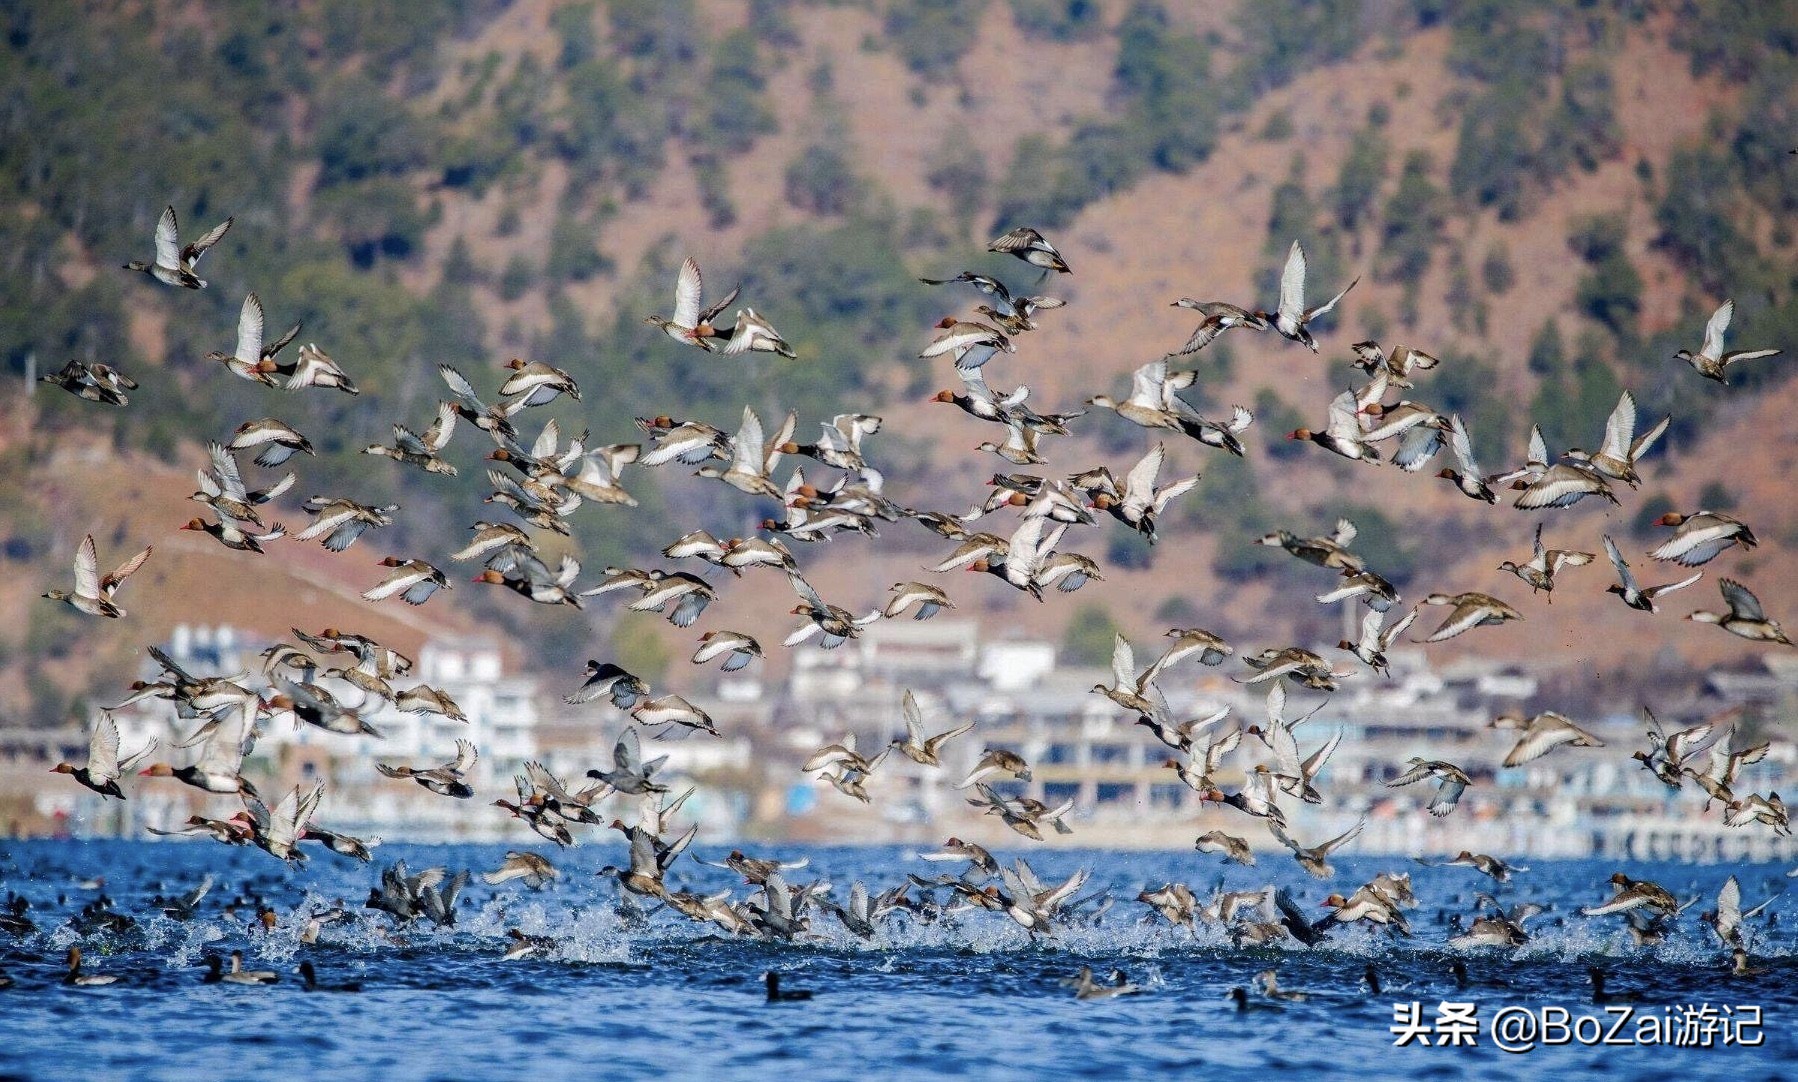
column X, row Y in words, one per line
column 1111, row 753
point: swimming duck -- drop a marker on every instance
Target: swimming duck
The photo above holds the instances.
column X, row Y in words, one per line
column 1029, row 245
column 1085, row 987
column 1711, row 361
column 104, row 767
column 1490, row 931
column 914, row 745
column 691, row 324
column 279, row 441
column 75, row 977
column 1634, row 595
column 310, row 982
column 1451, row 781
column 93, row 382
column 1701, row 536
column 94, row 592
column 253, row 359
column 421, row 451
column 1745, row 617
column 413, row 581
column 1271, row 989
column 777, row 994
column 1469, row 610
column 449, row 779
column 1540, row 571
column 174, row 264
column 237, row 974
column 1292, row 317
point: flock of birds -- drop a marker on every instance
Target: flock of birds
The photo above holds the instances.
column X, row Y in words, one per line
column 543, row 482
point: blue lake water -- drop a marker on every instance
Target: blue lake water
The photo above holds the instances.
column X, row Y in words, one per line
column 649, row 994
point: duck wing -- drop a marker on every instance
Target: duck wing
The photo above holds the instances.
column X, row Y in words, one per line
column 168, row 239
column 1331, row 303
column 1462, row 446
column 1741, row 600
column 1617, row 561
column 1292, row 286
column 1620, row 428
column 192, row 253
column 1713, row 330
column 438, row 435
column 87, row 569
column 709, row 313
column 1344, row 838
column 249, row 330
column 110, row 582
column 103, row 749
column 687, row 287
column 465, row 757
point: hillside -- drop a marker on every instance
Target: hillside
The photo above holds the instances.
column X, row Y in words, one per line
column 1553, row 219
